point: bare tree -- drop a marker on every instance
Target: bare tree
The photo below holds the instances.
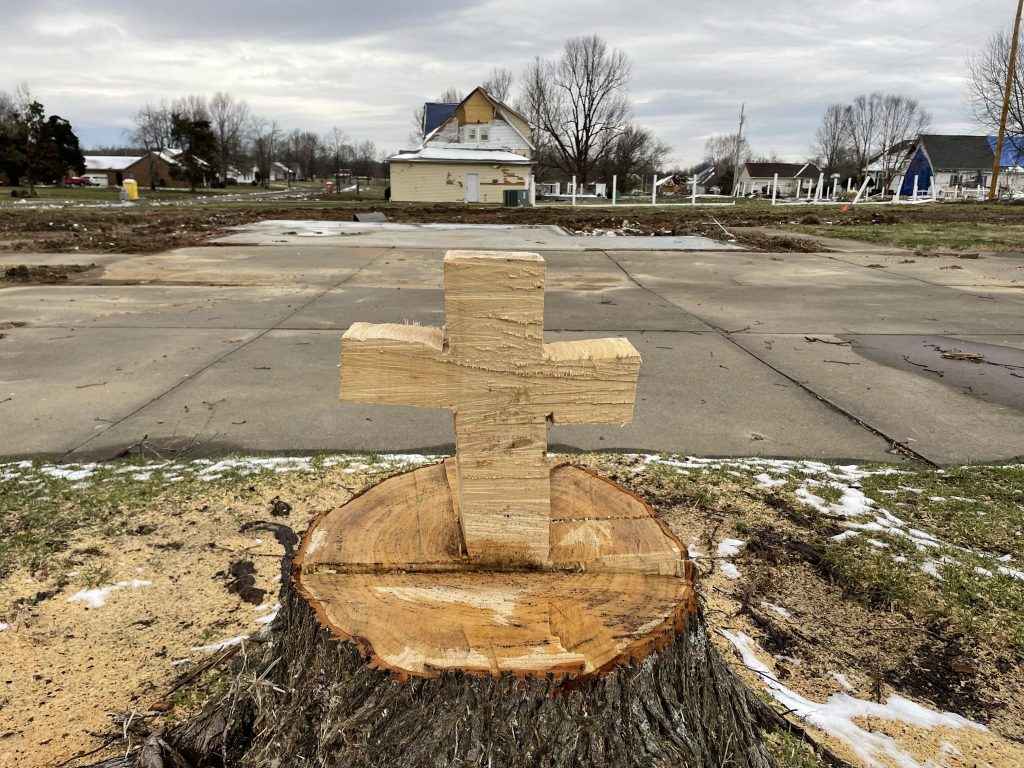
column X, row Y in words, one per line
column 831, row 144
column 192, row 107
column 579, row 102
column 720, row 153
column 637, row 154
column 228, row 118
column 902, row 120
column 499, row 83
column 304, row 149
column 864, row 118
column 337, row 150
column 152, row 132
column 986, row 84
column 265, row 136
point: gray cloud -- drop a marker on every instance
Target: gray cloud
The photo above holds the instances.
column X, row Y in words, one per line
column 365, row 66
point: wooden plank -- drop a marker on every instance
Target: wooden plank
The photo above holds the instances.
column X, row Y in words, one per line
column 395, row 364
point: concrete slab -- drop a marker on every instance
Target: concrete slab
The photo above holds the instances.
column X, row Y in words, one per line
column 59, row 387
column 896, row 307
column 948, row 411
column 144, row 306
column 754, row 269
column 698, row 393
column 339, row 308
column 241, row 266
column 980, row 269
column 466, row 236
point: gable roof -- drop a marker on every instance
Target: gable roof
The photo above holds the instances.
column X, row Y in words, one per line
column 785, row 170
column 501, row 108
column 958, row 151
column 435, row 114
column 110, row 162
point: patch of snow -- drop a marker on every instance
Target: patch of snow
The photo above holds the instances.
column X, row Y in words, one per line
column 836, row 715
column 729, row 547
column 730, row 570
column 845, row 535
column 4, row 626
column 214, row 647
column 270, row 616
column 767, row 481
column 843, row 681
column 931, row 568
column 69, row 471
column 97, row 596
column 777, row 609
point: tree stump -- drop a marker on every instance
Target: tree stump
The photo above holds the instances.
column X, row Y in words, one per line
column 393, row 648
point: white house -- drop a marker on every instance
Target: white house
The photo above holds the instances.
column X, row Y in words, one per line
column 471, row 153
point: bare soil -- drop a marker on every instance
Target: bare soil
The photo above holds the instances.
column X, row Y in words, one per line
column 155, row 229
column 45, row 274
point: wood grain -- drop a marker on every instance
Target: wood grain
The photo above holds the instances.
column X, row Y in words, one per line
column 388, row 571
column 491, row 368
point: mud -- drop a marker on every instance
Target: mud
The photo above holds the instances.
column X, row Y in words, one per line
column 155, row 229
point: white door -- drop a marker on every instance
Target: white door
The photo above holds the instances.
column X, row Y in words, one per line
column 472, row 187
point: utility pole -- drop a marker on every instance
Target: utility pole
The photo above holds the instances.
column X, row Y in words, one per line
column 1010, row 69
column 739, row 142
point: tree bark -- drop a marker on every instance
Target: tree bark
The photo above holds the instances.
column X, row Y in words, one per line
column 304, row 697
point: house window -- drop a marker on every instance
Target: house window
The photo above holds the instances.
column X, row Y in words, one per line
column 471, row 134
column 484, row 133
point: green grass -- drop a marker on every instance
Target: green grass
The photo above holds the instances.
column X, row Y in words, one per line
column 926, row 236
column 40, row 512
column 940, row 565
column 792, row 752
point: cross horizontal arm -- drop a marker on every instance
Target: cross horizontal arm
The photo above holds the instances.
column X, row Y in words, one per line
column 591, row 381
column 394, row 364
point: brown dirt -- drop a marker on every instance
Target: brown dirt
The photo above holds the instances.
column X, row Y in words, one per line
column 45, row 274
column 155, row 229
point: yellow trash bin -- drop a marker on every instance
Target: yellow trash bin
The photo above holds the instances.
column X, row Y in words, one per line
column 131, row 186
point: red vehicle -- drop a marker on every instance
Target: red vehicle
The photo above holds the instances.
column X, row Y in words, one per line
column 76, row 181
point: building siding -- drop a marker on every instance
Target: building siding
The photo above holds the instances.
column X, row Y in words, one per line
column 445, row 182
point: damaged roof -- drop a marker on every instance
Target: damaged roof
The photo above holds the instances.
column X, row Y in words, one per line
column 448, row 154
column 436, row 113
column 785, row 170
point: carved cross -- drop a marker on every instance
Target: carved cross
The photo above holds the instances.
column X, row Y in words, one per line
column 491, row 368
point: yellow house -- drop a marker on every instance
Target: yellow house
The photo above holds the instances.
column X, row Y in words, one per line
column 471, row 153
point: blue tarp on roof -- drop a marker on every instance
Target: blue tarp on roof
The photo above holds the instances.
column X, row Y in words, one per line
column 922, row 169
column 434, row 114
column 1013, row 150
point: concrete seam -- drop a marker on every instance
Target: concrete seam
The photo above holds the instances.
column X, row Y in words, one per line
column 227, row 354
column 896, row 444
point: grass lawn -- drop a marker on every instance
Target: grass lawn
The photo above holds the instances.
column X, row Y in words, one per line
column 927, row 236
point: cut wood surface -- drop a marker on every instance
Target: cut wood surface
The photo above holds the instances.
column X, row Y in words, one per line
column 491, row 368
column 388, row 572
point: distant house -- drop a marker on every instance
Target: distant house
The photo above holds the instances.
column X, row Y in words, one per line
column 471, row 153
column 112, row 170
column 795, row 179
column 948, row 161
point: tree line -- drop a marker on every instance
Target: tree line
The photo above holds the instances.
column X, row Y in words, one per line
column 220, row 133
column 35, row 147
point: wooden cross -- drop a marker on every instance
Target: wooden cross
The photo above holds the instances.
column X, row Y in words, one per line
column 491, row 368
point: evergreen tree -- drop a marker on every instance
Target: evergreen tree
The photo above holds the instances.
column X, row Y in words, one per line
column 198, row 148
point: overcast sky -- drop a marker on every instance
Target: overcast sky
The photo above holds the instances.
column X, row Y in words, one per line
column 364, row 66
